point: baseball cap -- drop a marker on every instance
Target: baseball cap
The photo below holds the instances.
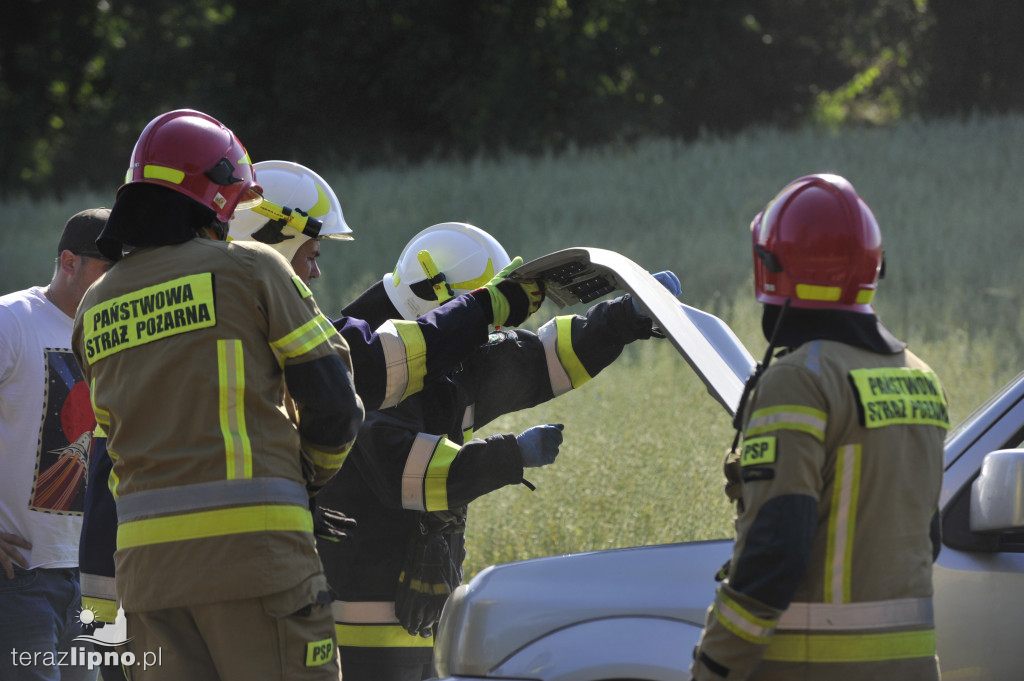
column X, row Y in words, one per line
column 81, row 231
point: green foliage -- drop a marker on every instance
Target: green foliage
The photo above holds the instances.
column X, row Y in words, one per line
column 366, row 82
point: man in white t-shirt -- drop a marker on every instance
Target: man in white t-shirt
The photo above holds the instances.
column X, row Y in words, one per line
column 46, row 423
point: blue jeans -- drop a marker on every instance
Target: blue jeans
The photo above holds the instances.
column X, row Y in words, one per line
column 39, row 618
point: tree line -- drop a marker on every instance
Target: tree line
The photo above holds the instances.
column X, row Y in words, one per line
column 364, row 82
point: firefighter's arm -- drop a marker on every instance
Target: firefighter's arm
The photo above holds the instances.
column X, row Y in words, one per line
column 398, row 358
column 330, row 413
column 782, row 458
column 414, row 470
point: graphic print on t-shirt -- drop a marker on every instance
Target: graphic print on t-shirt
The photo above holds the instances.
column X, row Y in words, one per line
column 65, row 436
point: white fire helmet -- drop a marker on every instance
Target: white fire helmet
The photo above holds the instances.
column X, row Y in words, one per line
column 298, row 205
column 441, row 262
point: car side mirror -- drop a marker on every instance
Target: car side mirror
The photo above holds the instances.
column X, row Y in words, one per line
column 997, row 494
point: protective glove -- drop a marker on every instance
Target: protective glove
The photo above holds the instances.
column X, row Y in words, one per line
column 539, row 445
column 429, row 575
column 329, row 524
column 666, row 278
column 512, row 302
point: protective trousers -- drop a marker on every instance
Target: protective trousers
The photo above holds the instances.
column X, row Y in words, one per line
column 288, row 636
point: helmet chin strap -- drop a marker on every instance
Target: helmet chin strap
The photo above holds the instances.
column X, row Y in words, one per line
column 748, row 387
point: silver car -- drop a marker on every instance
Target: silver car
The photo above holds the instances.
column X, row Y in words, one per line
column 636, row 613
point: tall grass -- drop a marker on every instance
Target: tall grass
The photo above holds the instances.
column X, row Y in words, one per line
column 641, row 460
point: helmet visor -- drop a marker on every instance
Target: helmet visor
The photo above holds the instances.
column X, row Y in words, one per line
column 251, row 198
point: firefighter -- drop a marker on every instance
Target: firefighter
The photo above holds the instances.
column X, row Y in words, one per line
column 189, row 347
column 838, row 479
column 414, row 468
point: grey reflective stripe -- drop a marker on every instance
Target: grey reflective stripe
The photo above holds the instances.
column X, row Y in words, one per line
column 364, row 612
column 560, row 381
column 900, row 612
column 207, row 495
column 97, row 586
column 416, row 465
column 396, row 364
column 468, row 421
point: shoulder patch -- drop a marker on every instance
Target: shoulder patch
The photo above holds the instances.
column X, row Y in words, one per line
column 758, row 451
column 301, row 285
column 899, row 396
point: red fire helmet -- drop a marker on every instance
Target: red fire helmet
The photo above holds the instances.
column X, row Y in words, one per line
column 195, row 154
column 818, row 244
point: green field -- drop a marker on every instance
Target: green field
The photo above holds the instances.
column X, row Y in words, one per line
column 643, row 441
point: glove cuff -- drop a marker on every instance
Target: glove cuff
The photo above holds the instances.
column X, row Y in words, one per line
column 483, row 299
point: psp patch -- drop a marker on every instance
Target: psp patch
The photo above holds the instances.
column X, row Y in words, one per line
column 319, row 652
column 758, row 451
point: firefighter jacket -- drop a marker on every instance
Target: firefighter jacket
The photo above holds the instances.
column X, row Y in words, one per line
column 830, row 576
column 423, row 456
column 187, row 349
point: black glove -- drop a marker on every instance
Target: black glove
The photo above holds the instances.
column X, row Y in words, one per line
column 430, row 573
column 329, row 524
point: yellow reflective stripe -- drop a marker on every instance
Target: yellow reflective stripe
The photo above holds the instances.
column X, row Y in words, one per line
column 425, row 477
column 322, row 205
column 405, row 359
column 901, row 645
column 567, row 354
column 327, row 460
column 435, row 483
column 472, row 284
column 415, row 355
column 149, row 314
column 416, row 463
column 788, row 417
column 303, row 339
column 379, row 636
column 741, row 622
column 105, row 610
column 237, row 520
column 304, row 291
column 865, row 296
column 102, row 416
column 812, row 292
column 112, row 480
column 155, row 172
column 842, row 521
column 231, row 402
